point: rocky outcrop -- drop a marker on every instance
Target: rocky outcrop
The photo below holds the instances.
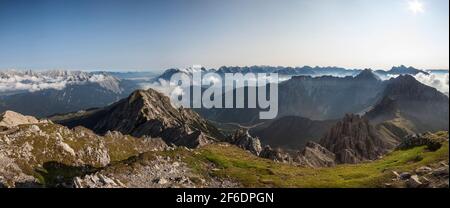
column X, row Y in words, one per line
column 433, row 176
column 10, row 119
column 276, row 155
column 97, row 180
column 244, row 140
column 416, row 140
column 30, row 150
column 353, row 140
column 314, row 155
column 150, row 171
column 148, row 113
column 194, row 140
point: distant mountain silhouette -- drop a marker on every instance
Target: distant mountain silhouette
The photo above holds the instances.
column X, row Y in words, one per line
column 402, row 70
column 319, row 98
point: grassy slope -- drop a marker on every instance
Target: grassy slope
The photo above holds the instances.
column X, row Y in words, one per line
column 251, row 171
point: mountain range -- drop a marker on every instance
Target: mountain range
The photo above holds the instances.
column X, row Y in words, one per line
column 290, row 71
column 351, row 131
column 147, row 113
column 47, row 93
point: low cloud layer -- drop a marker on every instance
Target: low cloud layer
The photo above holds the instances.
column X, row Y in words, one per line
column 437, row 80
column 35, row 81
column 165, row 87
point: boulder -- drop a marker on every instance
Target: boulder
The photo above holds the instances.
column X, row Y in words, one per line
column 244, row 140
column 193, row 140
column 10, row 119
column 314, row 155
column 423, row 170
column 405, row 175
column 441, row 172
column 414, row 182
column 275, row 154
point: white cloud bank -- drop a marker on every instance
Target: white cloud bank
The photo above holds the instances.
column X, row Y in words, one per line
column 12, row 81
column 436, row 80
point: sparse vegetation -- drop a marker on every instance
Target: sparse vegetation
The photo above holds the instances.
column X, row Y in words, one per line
column 233, row 163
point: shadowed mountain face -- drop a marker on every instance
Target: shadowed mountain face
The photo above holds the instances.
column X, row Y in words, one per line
column 147, row 113
column 291, row 132
column 406, row 106
column 320, row 98
column 415, row 107
column 403, row 70
column 403, row 106
column 284, row 71
column 411, row 105
column 326, row 97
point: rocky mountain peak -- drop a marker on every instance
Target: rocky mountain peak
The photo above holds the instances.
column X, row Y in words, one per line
column 407, row 87
column 148, row 113
column 353, row 140
column 367, row 74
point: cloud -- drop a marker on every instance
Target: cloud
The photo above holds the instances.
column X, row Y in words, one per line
column 169, row 89
column 13, row 81
column 438, row 80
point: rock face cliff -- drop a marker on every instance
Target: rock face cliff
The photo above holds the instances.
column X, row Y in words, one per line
column 148, row 113
column 353, row 140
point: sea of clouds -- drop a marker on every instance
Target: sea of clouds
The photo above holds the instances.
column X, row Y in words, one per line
column 58, row 80
column 436, row 80
column 36, row 81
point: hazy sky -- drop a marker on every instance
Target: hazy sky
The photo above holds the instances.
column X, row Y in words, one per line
column 108, row 34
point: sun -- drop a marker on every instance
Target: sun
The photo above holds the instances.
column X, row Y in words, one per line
column 416, row 6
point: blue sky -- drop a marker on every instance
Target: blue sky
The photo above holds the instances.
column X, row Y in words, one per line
column 155, row 35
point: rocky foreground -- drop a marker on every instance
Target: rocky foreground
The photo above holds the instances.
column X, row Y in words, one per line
column 44, row 154
column 143, row 141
